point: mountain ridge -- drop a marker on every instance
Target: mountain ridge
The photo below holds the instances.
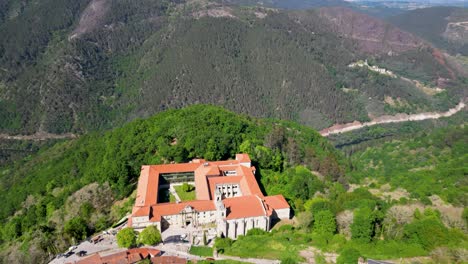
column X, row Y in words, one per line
column 134, row 62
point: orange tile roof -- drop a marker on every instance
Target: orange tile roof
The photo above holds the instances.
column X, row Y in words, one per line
column 148, row 184
column 116, row 258
column 93, row 259
column 144, row 252
column 214, row 171
column 125, row 257
column 142, row 211
column 223, row 162
column 201, row 183
column 243, row 158
column 249, row 185
column 244, row 206
column 178, row 167
column 276, row 201
column 168, row 260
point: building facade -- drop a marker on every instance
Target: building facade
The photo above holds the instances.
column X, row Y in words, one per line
column 227, row 197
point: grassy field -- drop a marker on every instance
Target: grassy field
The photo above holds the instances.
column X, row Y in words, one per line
column 201, row 251
column 275, row 245
column 224, row 261
column 185, row 196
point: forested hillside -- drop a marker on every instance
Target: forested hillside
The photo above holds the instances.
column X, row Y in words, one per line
column 445, row 27
column 433, row 163
column 84, row 177
column 380, row 203
column 102, row 63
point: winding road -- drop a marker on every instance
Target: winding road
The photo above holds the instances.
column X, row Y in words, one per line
column 342, row 128
column 38, row 136
column 335, row 129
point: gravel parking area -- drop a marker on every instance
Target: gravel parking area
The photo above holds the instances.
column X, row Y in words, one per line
column 108, row 243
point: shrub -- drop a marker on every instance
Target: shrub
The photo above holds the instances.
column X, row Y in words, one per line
column 324, row 223
column 201, row 251
column 187, row 187
column 428, row 232
column 286, row 228
column 126, row 237
column 348, row 256
column 150, row 236
column 362, row 227
column 76, row 228
column 222, row 244
column 304, row 220
column 288, row 260
column 256, row 232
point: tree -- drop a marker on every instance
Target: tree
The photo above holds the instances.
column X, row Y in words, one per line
column 428, row 232
column 348, row 256
column 362, row 227
column 126, row 237
column 187, row 187
column 150, row 236
column 324, row 223
column 221, row 244
column 304, row 220
column 76, row 228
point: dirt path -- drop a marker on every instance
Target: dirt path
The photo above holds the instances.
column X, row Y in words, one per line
column 39, row 136
column 342, row 128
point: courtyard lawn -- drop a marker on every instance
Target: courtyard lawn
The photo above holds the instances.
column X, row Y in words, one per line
column 201, row 251
column 276, row 245
column 185, row 196
column 165, row 196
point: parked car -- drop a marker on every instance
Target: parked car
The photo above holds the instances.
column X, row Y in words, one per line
column 72, row 248
column 81, row 253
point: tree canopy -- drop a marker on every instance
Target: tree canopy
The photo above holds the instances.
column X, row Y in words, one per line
column 126, row 237
column 150, row 236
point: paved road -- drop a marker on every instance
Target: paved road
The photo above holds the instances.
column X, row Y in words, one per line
column 342, row 128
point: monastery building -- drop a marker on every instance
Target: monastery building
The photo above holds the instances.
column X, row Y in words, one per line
column 227, row 197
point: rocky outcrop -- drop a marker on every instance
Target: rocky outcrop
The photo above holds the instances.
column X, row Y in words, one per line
column 91, row 17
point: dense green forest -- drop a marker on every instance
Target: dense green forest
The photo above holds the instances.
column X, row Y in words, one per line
column 38, row 190
column 432, row 163
column 337, row 209
column 86, row 70
column 369, row 220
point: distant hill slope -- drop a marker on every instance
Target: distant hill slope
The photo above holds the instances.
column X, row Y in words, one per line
column 290, row 4
column 107, row 62
column 41, row 193
column 424, row 163
column 445, row 27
